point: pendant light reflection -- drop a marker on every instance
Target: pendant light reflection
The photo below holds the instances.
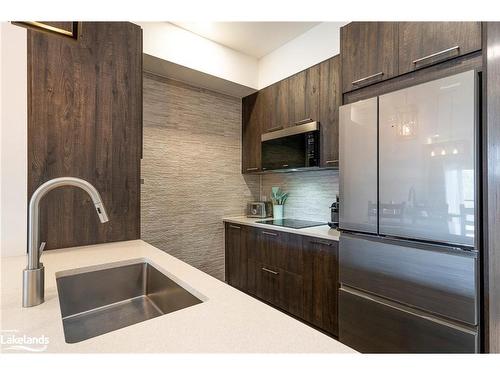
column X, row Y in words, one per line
column 406, row 122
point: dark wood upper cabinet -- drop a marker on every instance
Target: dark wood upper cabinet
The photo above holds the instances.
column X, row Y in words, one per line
column 369, row 52
column 321, row 283
column 310, row 95
column 297, row 98
column 330, row 99
column 426, row 43
column 85, row 120
column 252, row 107
column 265, row 109
column 280, row 115
column 303, row 96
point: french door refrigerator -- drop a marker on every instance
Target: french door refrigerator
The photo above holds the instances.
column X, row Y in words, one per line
column 409, row 239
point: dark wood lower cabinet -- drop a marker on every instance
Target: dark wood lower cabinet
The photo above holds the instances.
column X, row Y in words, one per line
column 236, row 255
column 295, row 273
column 322, row 279
column 292, row 290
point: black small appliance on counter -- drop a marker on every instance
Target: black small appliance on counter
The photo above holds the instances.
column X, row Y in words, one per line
column 334, row 208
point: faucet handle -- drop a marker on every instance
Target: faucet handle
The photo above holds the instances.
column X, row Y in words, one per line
column 40, row 249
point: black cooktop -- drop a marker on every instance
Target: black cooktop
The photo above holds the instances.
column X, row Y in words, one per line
column 291, row 223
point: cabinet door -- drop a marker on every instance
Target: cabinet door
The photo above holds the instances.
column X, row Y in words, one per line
column 251, row 132
column 425, row 43
column 280, row 112
column 303, row 96
column 321, row 283
column 330, row 96
column 292, row 293
column 296, row 98
column 236, row 256
column 369, row 53
column 266, row 105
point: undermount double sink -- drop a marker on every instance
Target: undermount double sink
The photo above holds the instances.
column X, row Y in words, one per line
column 101, row 299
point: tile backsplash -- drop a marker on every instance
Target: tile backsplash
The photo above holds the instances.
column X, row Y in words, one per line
column 310, row 193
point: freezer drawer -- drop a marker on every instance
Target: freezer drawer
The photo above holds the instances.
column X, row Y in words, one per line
column 358, row 166
column 435, row 279
column 372, row 325
column 427, row 161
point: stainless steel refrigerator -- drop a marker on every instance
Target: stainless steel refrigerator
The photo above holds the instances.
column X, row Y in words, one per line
column 409, row 219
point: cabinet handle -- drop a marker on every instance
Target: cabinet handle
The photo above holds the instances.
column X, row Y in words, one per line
column 321, row 243
column 252, row 169
column 361, row 80
column 436, row 54
column 285, row 165
column 303, row 121
column 269, row 233
column 234, row 226
column 331, row 161
column 274, row 128
column 270, row 271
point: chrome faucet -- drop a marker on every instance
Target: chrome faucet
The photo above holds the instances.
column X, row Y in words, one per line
column 33, row 275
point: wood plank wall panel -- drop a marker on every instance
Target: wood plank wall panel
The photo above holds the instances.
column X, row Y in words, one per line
column 310, row 193
column 84, row 120
column 491, row 280
column 192, row 171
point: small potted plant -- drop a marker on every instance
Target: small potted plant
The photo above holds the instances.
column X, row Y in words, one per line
column 278, row 198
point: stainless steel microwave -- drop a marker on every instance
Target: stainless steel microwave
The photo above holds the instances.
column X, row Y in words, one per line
column 295, row 147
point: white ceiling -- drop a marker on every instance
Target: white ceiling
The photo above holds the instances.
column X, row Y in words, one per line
column 256, row 39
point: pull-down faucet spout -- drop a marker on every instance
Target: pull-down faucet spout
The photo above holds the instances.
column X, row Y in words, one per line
column 33, row 275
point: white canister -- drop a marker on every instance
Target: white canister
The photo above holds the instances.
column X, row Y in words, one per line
column 277, row 211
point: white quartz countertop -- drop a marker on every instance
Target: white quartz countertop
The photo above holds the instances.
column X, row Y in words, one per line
column 321, row 231
column 227, row 321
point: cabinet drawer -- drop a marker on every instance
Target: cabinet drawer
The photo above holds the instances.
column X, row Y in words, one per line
column 373, row 326
column 426, row 43
column 440, row 282
column 276, row 286
column 278, row 249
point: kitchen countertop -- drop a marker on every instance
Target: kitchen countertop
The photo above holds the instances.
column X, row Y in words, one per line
column 227, row 321
column 322, row 231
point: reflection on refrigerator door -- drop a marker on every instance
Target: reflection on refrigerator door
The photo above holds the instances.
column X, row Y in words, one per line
column 427, row 161
column 358, row 165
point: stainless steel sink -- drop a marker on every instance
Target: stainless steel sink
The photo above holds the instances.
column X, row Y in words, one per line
column 101, row 299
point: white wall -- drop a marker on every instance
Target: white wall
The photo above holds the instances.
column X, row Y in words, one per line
column 13, row 140
column 315, row 45
column 166, row 41
column 169, row 42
